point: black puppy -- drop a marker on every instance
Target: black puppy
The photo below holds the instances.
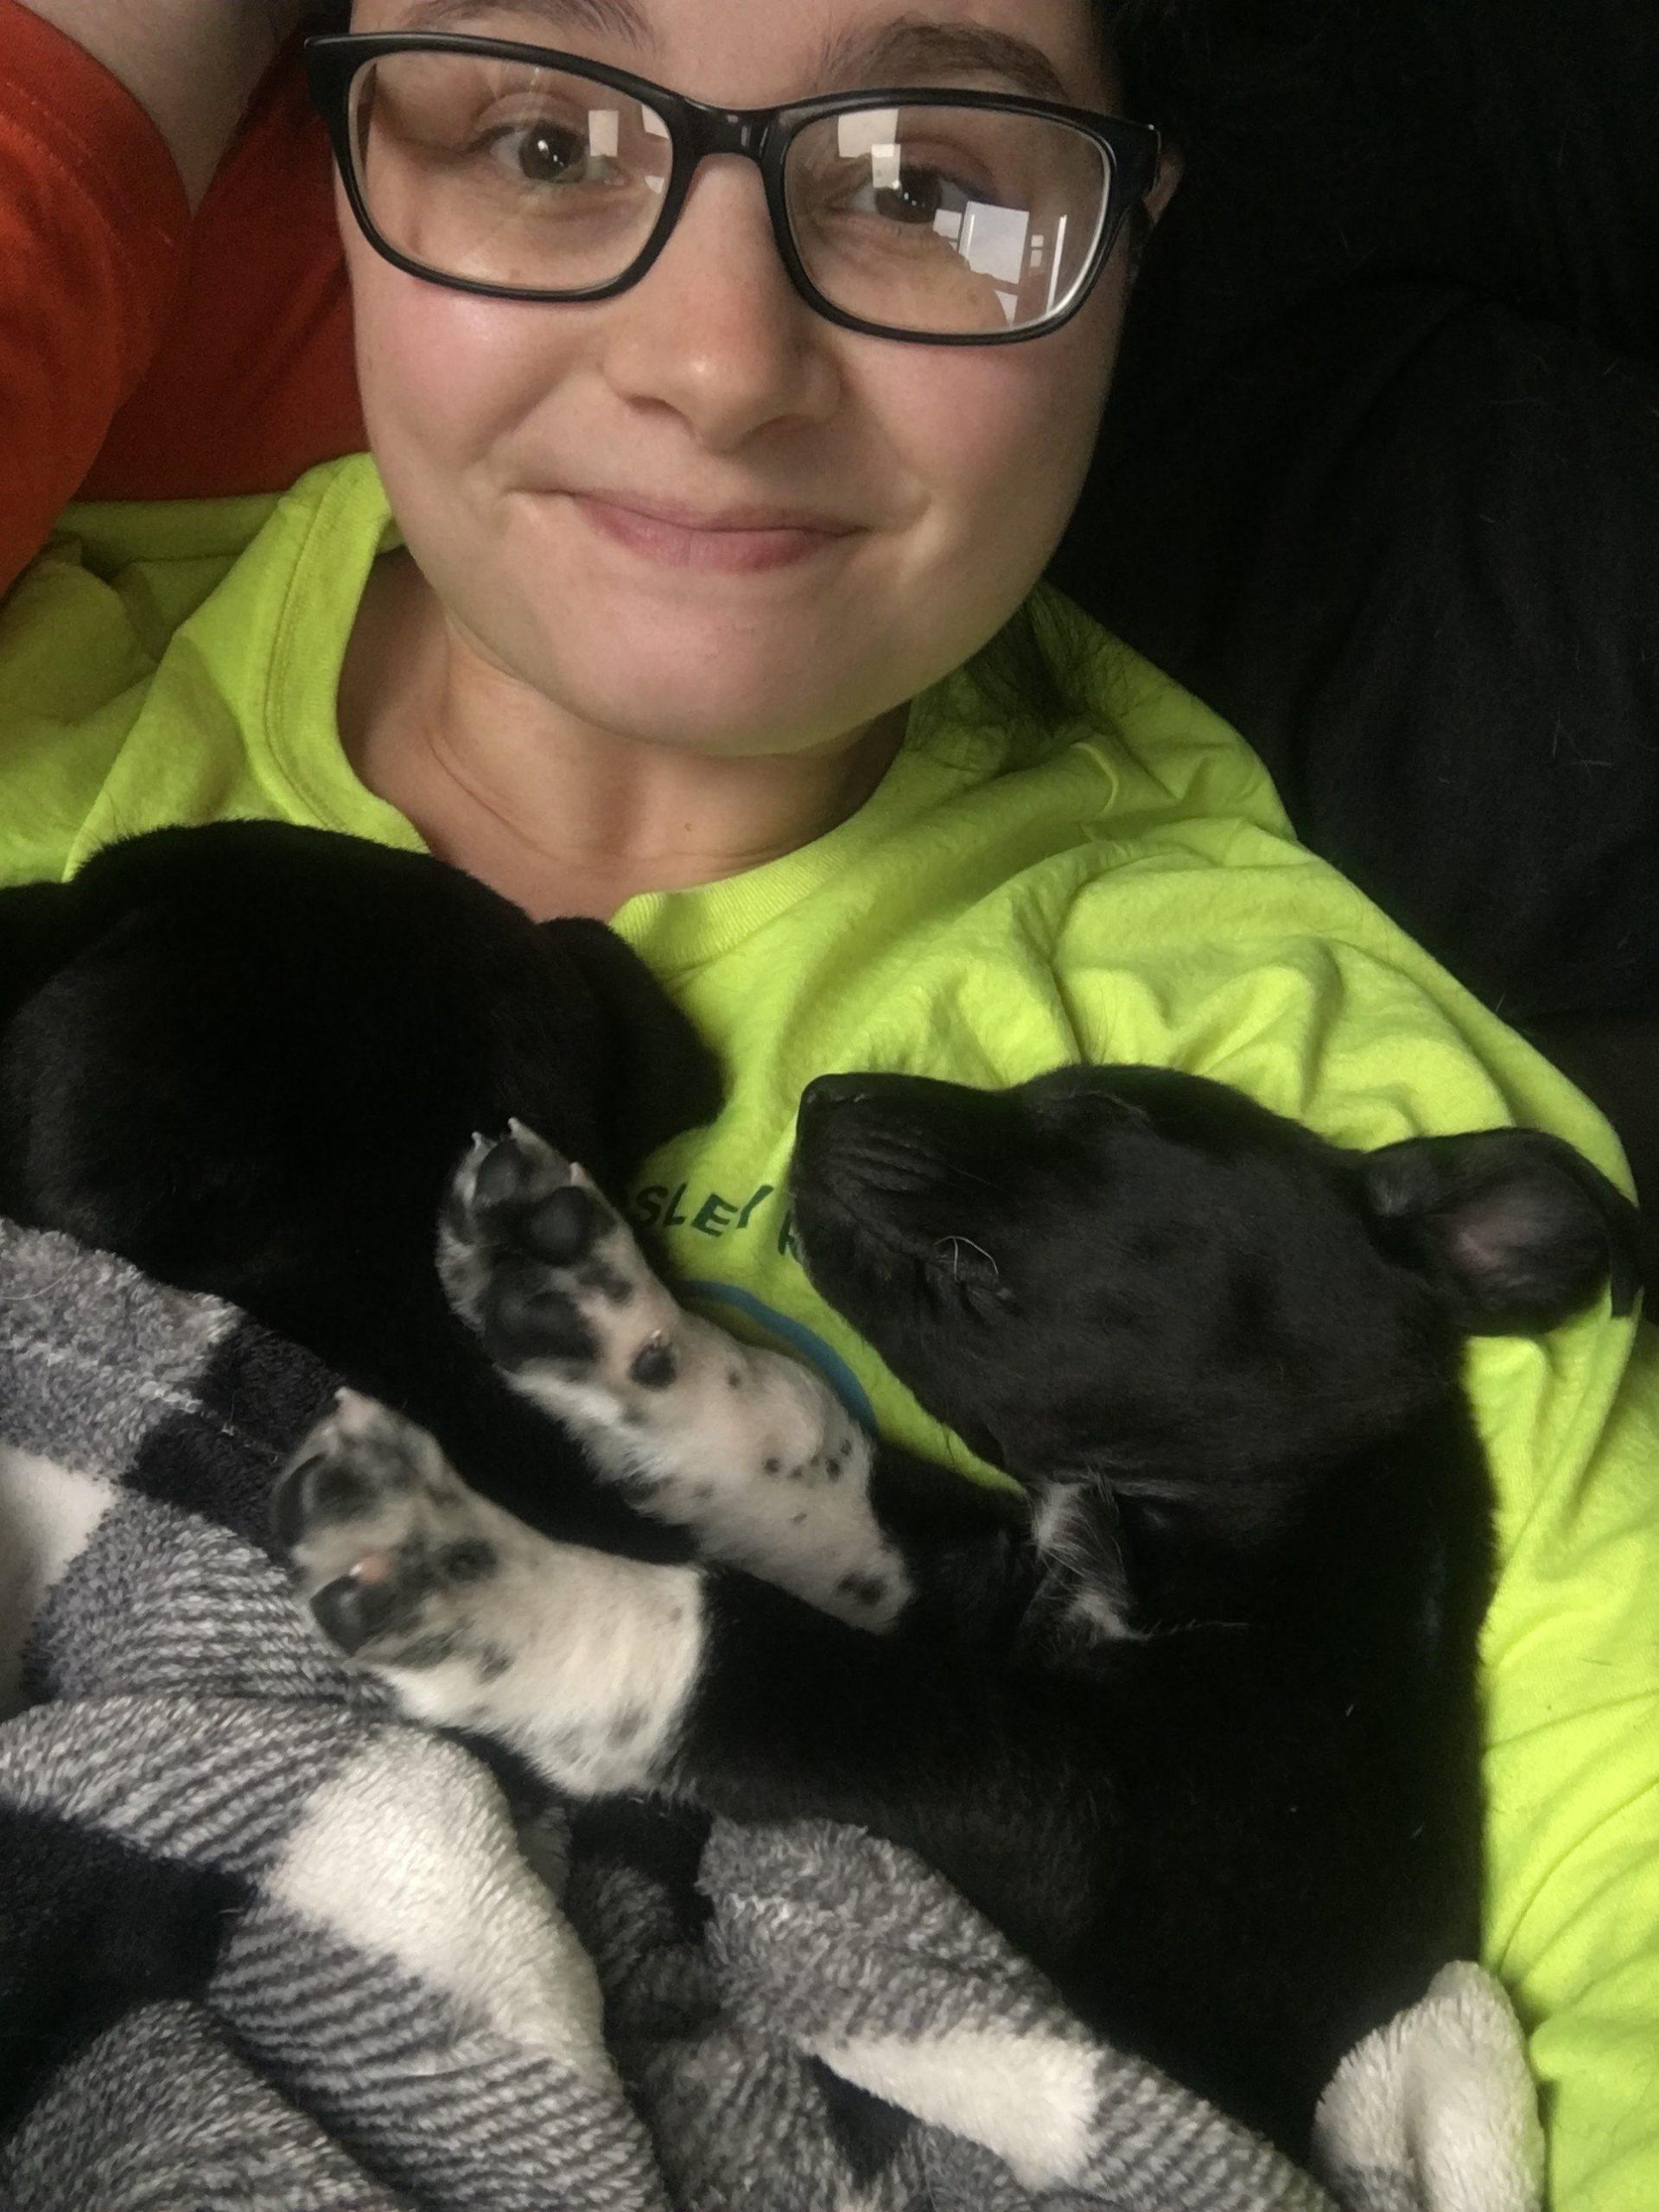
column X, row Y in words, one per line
column 246, row 1058
column 1201, row 1735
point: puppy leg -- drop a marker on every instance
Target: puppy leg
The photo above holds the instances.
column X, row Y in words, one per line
column 749, row 1450
column 582, row 1662
column 612, row 1675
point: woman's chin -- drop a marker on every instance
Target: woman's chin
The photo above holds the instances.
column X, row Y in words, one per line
column 731, row 706
column 741, row 728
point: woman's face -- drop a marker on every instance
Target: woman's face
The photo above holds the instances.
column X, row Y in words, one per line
column 945, row 475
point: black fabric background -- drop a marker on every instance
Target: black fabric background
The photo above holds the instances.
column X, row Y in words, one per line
column 1381, row 475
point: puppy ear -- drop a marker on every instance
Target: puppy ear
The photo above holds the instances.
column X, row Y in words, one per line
column 1514, row 1227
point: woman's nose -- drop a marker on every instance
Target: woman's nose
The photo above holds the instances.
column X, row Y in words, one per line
column 715, row 330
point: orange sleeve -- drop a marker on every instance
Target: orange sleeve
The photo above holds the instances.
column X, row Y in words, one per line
column 92, row 230
column 252, row 381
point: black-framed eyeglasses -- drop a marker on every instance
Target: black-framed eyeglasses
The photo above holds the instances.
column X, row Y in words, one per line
column 947, row 217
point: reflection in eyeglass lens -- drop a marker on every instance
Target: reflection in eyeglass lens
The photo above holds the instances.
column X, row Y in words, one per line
column 950, row 220
column 506, row 173
column 936, row 220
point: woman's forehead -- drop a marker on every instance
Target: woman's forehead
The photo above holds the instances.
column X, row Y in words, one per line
column 747, row 52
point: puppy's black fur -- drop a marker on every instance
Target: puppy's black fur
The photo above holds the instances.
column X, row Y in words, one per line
column 1208, row 1748
column 247, row 1058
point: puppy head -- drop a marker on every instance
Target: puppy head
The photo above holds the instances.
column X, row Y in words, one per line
column 1145, row 1272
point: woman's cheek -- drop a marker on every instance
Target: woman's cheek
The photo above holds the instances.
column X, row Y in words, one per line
column 445, row 377
column 1004, row 437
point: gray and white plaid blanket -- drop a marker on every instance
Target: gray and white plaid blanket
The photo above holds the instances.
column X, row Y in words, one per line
column 404, row 1983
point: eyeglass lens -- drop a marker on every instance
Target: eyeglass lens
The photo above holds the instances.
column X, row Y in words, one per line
column 945, row 221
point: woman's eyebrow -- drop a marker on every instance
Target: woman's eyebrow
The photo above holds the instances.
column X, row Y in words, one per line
column 612, row 19
column 917, row 50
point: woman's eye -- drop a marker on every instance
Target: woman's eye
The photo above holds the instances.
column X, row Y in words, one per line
column 547, row 153
column 920, row 196
column 916, row 198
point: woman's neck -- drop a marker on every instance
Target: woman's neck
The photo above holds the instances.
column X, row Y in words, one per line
column 559, row 816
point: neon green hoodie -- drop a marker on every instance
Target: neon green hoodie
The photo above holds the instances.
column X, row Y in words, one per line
column 1123, row 889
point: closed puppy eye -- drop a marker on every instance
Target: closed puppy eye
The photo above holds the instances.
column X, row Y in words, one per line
column 968, row 1261
column 1121, row 1112
column 1085, row 1107
column 973, row 1275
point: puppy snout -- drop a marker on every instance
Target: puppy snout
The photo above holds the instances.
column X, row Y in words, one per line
column 827, row 1092
column 867, row 1136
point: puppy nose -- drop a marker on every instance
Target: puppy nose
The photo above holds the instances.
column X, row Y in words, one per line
column 826, row 1092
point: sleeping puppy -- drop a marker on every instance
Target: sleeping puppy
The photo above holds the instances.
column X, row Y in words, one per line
column 1196, row 1726
column 246, row 1058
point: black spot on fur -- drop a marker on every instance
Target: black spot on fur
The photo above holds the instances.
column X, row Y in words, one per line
column 333, row 1491
column 867, row 1589
column 524, row 1318
column 733, row 1378
column 655, row 1365
column 470, row 1559
column 564, row 1225
column 606, row 1282
column 500, row 1179
column 352, row 1612
column 773, row 1467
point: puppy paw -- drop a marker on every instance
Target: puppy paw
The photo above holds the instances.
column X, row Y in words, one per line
column 581, row 1662
column 745, row 1448
column 392, row 1553
column 539, row 1262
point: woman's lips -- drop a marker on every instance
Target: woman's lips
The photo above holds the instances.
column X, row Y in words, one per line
column 721, row 550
